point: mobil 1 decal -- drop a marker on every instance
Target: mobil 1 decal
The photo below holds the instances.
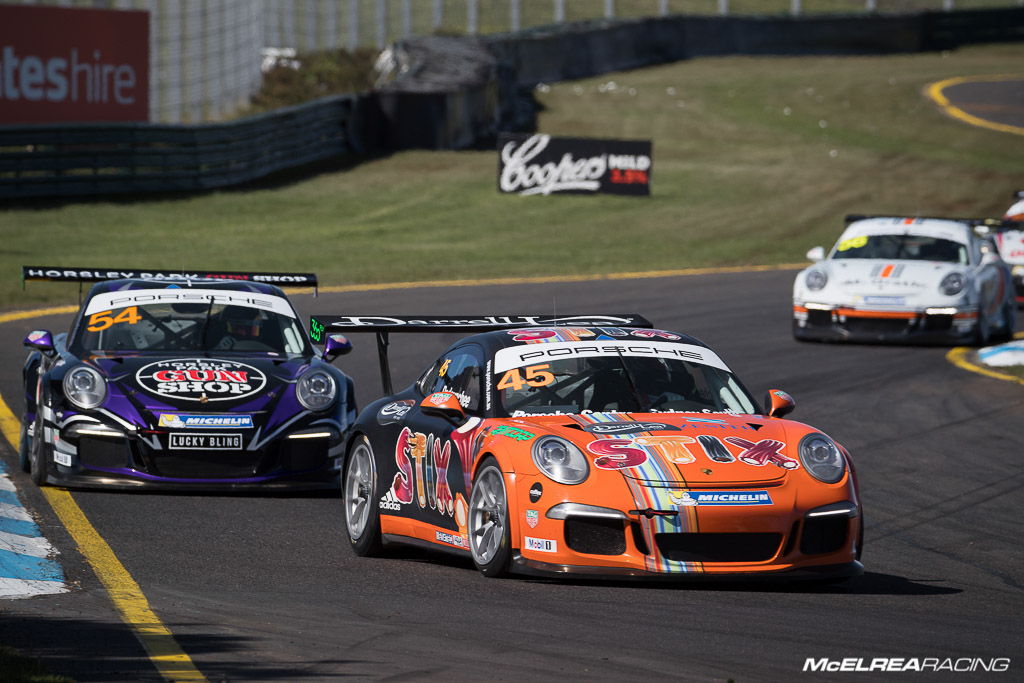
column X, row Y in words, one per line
column 542, row 164
column 201, row 379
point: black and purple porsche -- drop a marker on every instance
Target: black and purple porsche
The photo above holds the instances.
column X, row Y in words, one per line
column 184, row 380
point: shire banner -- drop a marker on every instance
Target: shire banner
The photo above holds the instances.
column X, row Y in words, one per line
column 73, row 64
column 542, row 164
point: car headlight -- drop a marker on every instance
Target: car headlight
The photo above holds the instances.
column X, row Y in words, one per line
column 952, row 284
column 816, row 279
column 821, row 457
column 316, row 390
column 1018, row 271
column 560, row 460
column 85, row 387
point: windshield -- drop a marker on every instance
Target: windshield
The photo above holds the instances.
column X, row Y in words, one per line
column 620, row 383
column 909, row 247
column 207, row 326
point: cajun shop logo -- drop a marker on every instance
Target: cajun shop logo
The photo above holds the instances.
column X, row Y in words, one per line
column 541, row 164
column 201, row 379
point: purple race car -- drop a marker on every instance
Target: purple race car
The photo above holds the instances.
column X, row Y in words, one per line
column 178, row 380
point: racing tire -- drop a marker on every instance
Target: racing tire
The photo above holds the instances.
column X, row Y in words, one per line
column 36, row 453
column 490, row 539
column 23, row 447
column 1008, row 317
column 359, row 496
column 982, row 330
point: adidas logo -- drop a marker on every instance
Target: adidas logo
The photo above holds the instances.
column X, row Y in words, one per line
column 389, row 502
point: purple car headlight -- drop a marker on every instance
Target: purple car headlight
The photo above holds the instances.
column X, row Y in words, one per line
column 316, row 390
column 85, row 387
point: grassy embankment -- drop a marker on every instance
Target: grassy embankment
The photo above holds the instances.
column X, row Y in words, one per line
column 756, row 159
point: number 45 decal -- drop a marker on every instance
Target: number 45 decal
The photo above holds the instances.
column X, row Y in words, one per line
column 102, row 320
column 536, row 376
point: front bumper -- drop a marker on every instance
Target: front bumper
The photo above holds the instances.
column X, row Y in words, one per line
column 101, row 456
column 787, row 531
column 822, row 322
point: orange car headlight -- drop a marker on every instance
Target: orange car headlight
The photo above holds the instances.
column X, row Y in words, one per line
column 821, row 457
column 560, row 460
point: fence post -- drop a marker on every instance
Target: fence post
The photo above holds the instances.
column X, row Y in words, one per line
column 662, row 8
column 438, row 13
column 948, row 5
column 382, row 23
column 353, row 25
column 870, row 5
column 406, row 18
column 513, row 19
column 794, row 7
column 609, row 9
column 559, row 9
column 723, row 7
column 472, row 16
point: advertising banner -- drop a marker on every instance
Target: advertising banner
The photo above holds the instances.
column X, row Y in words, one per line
column 542, row 164
column 73, row 64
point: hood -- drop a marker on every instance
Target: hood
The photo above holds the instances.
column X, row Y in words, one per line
column 148, row 390
column 888, row 278
column 681, row 449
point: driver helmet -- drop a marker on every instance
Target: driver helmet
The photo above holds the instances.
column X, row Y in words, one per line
column 242, row 322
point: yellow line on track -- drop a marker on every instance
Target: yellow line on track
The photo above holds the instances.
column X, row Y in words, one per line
column 934, row 91
column 165, row 653
column 959, row 357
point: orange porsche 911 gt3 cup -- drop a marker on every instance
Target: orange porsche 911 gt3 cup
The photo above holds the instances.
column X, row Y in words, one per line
column 593, row 445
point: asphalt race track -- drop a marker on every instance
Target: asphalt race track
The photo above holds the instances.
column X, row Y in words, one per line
column 266, row 588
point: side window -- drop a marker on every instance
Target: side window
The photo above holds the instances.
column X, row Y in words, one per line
column 458, row 371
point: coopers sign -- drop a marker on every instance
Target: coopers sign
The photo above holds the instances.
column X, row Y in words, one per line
column 541, row 164
column 64, row 64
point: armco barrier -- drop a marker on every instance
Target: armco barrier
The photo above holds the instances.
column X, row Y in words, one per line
column 50, row 160
column 119, row 158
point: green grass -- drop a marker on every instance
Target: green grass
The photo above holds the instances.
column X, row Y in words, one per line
column 16, row 668
column 737, row 180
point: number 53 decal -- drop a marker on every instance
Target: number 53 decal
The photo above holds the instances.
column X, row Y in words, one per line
column 536, row 376
column 102, row 320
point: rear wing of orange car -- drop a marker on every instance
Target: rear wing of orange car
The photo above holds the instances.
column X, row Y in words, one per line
column 383, row 326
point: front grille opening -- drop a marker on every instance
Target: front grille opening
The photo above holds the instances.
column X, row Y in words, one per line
column 719, row 547
column 638, row 538
column 595, row 536
column 879, row 325
column 938, row 323
column 824, row 535
column 97, row 452
column 818, row 318
column 791, row 540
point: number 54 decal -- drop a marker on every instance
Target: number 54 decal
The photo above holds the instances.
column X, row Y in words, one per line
column 102, row 320
column 536, row 376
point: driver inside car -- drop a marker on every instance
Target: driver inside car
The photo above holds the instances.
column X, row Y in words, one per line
column 235, row 325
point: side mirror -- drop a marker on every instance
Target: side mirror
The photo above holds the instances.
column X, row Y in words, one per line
column 40, row 340
column 444, row 404
column 336, row 345
column 816, row 254
column 778, row 403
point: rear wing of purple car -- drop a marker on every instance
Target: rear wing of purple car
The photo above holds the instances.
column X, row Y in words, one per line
column 80, row 275
column 383, row 326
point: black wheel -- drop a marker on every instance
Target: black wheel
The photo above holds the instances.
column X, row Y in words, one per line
column 1008, row 321
column 490, row 541
column 23, row 448
column 982, row 330
column 359, row 488
column 38, row 460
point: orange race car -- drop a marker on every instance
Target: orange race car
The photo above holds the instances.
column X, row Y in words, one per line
column 593, row 445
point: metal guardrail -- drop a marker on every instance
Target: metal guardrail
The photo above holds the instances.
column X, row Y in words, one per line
column 118, row 158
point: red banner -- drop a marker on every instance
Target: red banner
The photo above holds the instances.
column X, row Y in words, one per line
column 64, row 64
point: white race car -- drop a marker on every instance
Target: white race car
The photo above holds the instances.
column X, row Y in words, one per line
column 1009, row 238
column 905, row 279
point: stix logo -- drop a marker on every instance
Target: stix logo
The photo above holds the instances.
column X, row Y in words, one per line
column 201, row 379
column 423, row 471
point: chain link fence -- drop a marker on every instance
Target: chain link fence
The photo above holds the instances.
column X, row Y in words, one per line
column 205, row 55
